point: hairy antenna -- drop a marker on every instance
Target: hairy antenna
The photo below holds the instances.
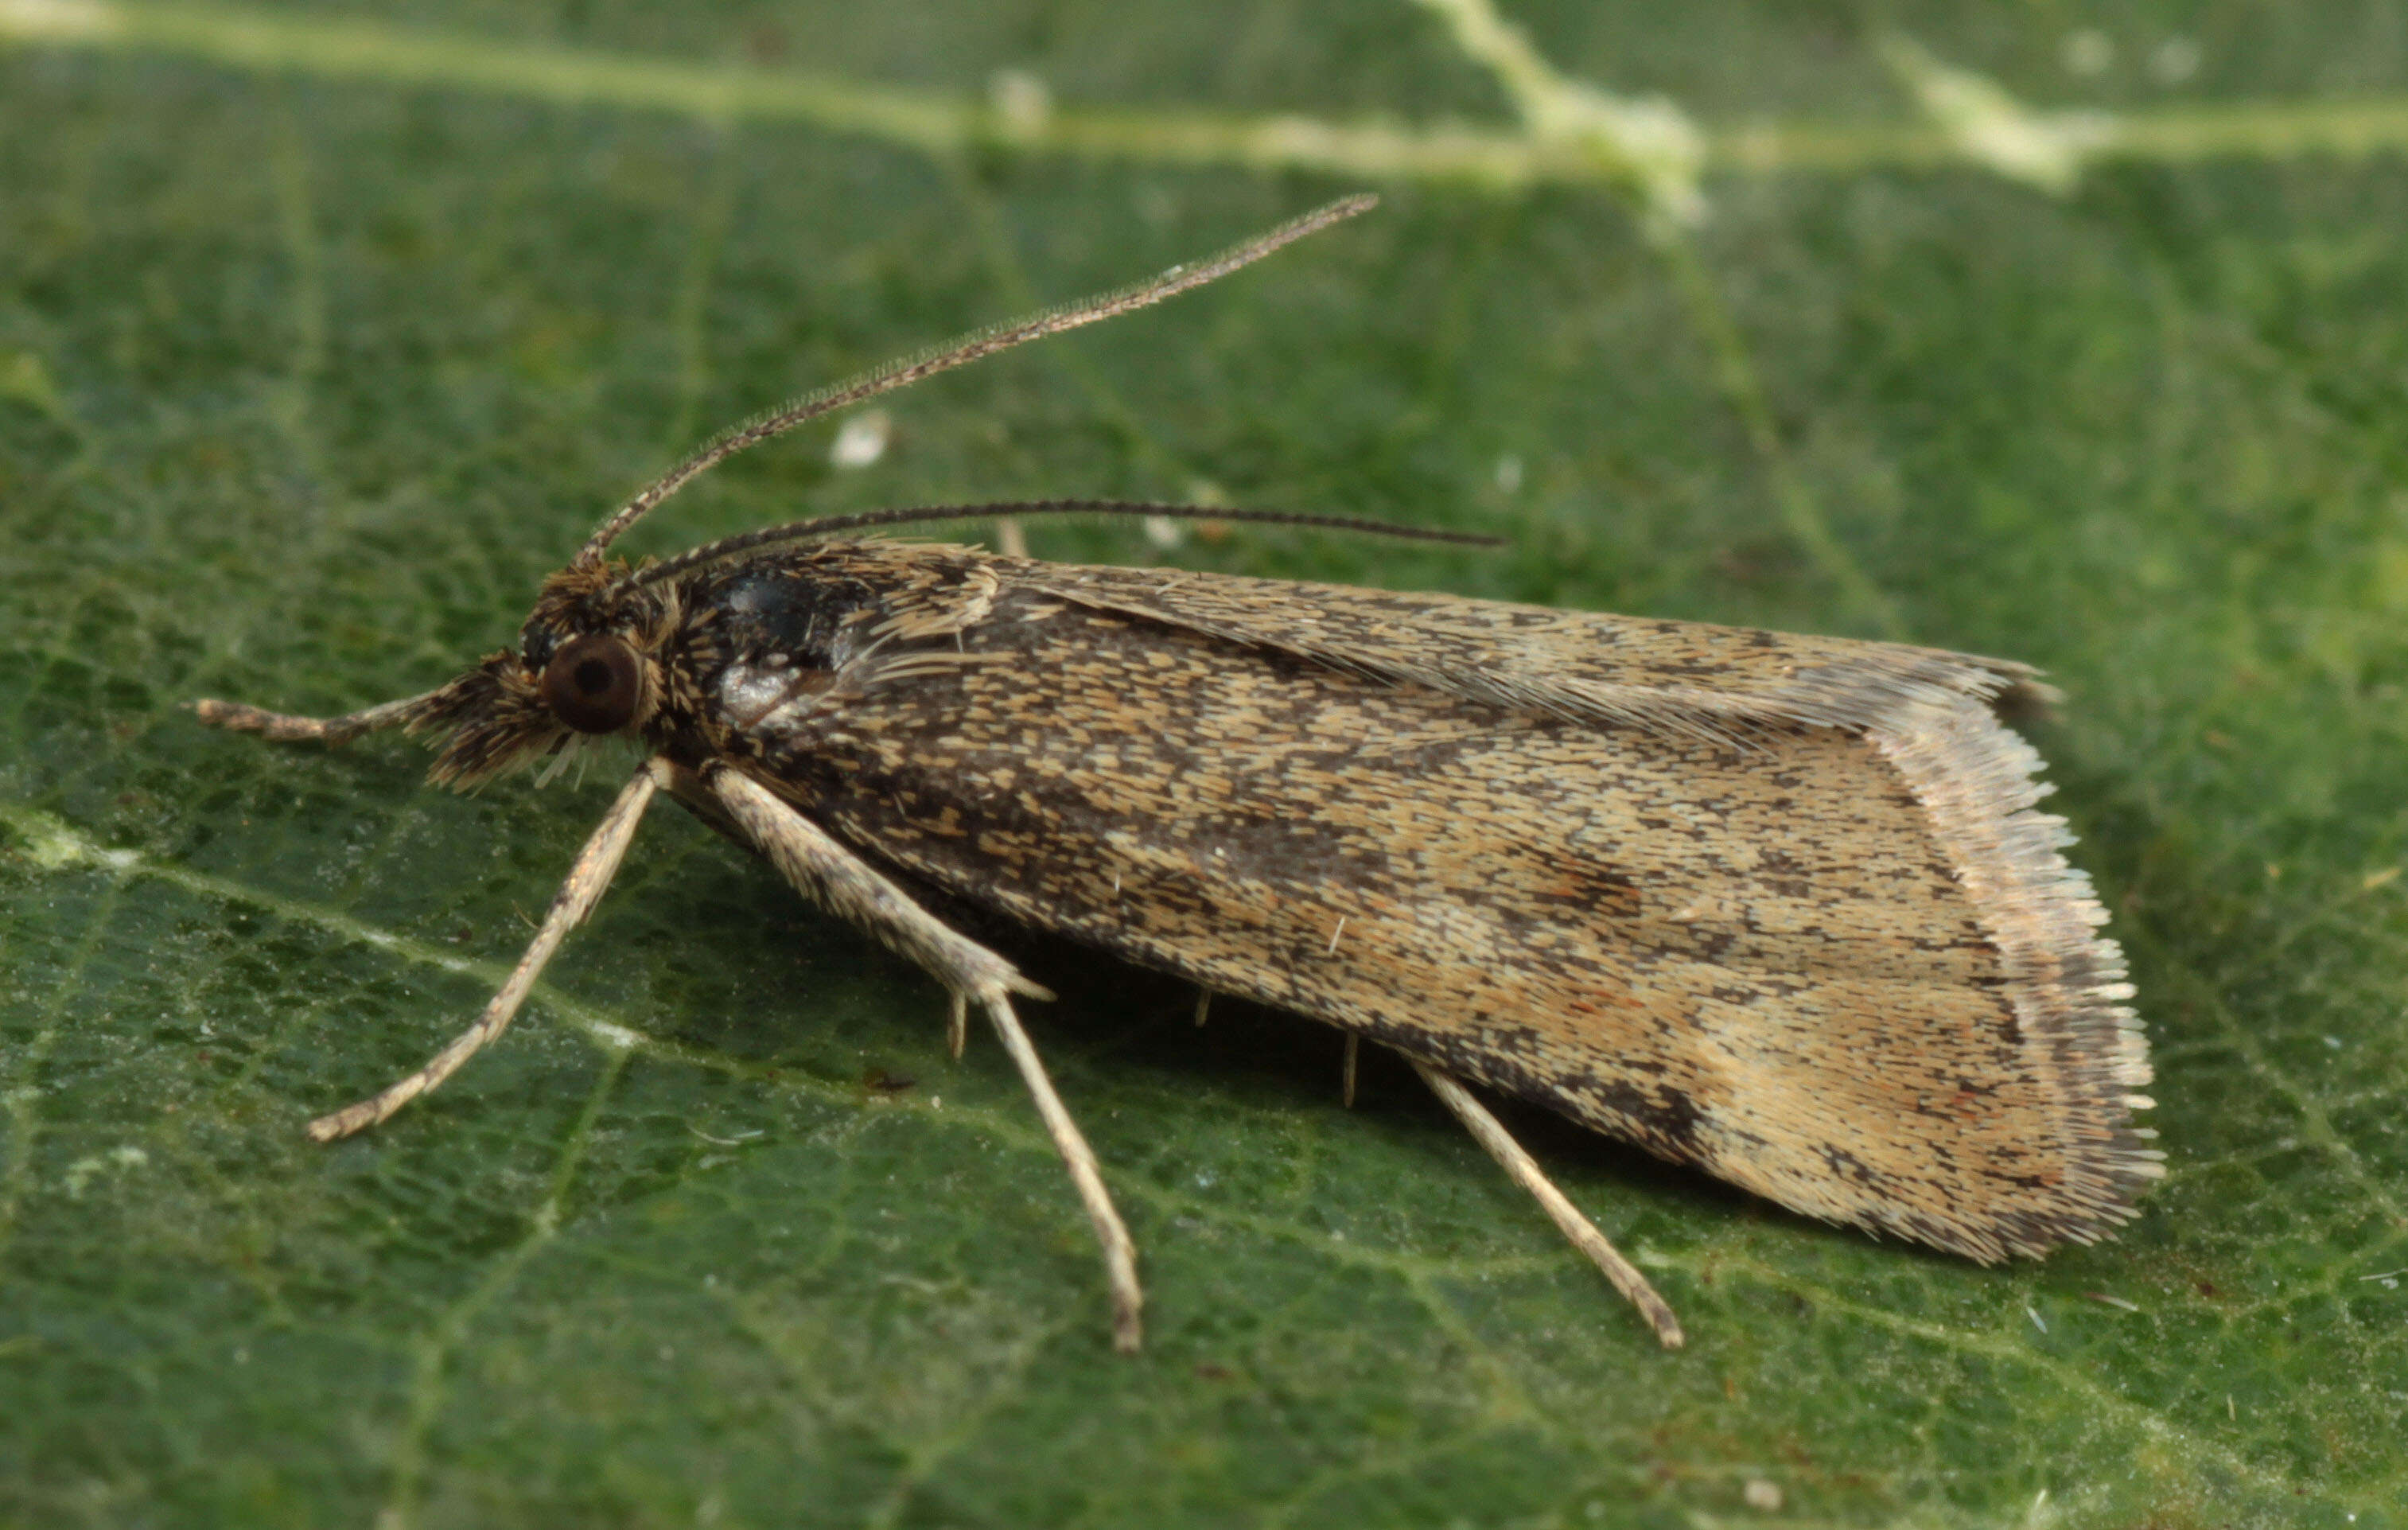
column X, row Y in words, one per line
column 770, row 536
column 957, row 353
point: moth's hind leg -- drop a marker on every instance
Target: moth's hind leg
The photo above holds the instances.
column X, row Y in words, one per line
column 1490, row 1133
column 842, row 883
column 285, row 728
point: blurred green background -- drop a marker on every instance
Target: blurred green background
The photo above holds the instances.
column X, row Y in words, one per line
column 324, row 333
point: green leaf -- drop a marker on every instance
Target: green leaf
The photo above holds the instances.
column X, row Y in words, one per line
column 319, row 346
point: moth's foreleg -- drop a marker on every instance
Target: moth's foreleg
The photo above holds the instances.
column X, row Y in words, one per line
column 587, row 879
column 1490, row 1133
column 285, row 728
column 823, row 871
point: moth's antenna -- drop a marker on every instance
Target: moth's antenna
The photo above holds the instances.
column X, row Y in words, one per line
column 957, row 353
column 770, row 536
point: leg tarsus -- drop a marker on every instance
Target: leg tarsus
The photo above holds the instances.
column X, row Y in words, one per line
column 1490, row 1133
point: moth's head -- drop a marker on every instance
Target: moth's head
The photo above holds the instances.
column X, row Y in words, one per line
column 587, row 666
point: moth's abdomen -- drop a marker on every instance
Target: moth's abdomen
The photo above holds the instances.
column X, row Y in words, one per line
column 1759, row 957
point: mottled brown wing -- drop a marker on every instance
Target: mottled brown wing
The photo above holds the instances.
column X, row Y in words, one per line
column 1775, row 906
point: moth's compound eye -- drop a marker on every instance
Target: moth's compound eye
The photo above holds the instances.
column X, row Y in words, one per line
column 593, row 684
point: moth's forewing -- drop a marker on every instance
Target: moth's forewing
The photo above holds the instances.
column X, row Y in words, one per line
column 1775, row 906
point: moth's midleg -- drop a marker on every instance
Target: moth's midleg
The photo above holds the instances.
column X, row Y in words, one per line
column 287, row 727
column 842, row 883
column 1490, row 1133
column 588, row 878
column 832, row 876
column 1120, row 1249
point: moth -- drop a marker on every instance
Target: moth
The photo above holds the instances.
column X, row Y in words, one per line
column 1778, row 907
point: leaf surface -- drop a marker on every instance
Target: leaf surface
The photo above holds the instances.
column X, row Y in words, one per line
column 305, row 380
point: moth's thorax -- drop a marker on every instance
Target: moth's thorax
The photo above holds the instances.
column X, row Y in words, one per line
column 763, row 644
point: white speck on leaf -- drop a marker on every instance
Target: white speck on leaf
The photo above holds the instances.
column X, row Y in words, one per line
column 82, row 1171
column 2176, row 60
column 2089, row 51
column 862, row 439
column 1024, row 102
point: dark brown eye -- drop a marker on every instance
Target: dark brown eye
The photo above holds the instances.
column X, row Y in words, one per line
column 594, row 682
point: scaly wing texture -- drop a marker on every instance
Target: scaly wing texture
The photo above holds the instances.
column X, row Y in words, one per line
column 1775, row 906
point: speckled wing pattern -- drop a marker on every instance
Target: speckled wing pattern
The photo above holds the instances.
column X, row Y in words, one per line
column 1776, row 906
